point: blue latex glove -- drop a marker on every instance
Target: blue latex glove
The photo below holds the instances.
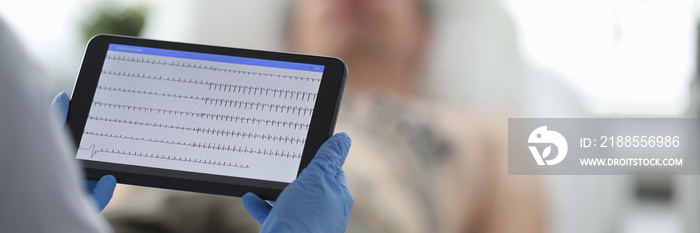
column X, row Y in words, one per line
column 319, row 200
column 101, row 191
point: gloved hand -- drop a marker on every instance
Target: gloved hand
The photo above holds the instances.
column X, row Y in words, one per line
column 101, row 191
column 319, row 200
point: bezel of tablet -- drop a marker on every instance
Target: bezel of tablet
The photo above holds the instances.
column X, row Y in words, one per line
column 321, row 127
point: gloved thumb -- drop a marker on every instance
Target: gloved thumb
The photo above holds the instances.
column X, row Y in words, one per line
column 331, row 156
column 102, row 190
column 256, row 207
column 60, row 107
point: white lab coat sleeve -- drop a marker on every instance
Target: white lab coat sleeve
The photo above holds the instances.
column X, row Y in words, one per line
column 40, row 182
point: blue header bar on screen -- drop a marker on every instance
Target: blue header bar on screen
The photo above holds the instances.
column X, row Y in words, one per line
column 216, row 58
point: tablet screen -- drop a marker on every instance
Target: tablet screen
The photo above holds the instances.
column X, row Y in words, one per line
column 198, row 112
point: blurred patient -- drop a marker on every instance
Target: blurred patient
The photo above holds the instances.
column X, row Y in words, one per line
column 417, row 164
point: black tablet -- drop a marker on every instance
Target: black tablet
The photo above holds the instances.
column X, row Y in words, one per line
column 201, row 118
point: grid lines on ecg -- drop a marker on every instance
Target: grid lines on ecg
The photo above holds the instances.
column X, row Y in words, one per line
column 230, row 88
column 273, row 112
column 210, row 116
column 94, row 150
column 248, row 105
column 210, row 131
column 206, row 67
column 203, row 145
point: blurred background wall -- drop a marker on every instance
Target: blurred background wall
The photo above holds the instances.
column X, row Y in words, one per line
column 526, row 58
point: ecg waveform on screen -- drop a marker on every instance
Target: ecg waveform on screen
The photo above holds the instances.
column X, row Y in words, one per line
column 197, row 113
column 247, row 105
column 94, row 151
column 230, row 88
column 210, row 116
column 204, row 145
column 210, row 131
column 206, row 67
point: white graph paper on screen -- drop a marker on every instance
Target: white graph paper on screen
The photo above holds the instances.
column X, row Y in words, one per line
column 202, row 116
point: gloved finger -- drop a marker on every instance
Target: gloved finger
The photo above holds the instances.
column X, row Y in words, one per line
column 256, row 207
column 343, row 182
column 331, row 156
column 60, row 106
column 91, row 184
column 103, row 191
